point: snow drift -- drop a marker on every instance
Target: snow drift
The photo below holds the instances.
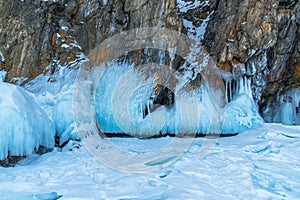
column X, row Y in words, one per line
column 24, row 126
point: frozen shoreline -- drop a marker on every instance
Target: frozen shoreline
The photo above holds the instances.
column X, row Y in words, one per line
column 257, row 164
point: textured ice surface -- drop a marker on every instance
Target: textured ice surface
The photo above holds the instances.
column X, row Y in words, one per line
column 260, row 164
column 46, row 196
column 24, row 126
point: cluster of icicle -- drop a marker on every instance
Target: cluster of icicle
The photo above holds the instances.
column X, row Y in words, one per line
column 24, row 125
column 121, row 105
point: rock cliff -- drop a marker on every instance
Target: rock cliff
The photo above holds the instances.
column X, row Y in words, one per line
column 257, row 39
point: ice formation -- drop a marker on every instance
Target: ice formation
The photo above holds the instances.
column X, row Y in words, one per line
column 24, row 126
column 123, row 96
column 56, row 97
column 290, row 107
column 241, row 113
column 2, row 75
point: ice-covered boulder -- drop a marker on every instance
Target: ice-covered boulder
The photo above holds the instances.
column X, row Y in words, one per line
column 24, row 125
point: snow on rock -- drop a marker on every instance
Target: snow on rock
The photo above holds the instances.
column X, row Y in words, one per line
column 185, row 6
column 196, row 33
column 24, row 126
column 2, row 59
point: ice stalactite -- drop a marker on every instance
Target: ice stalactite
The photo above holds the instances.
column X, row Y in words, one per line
column 290, row 107
column 125, row 103
column 244, row 87
column 226, row 89
column 230, row 90
column 241, row 112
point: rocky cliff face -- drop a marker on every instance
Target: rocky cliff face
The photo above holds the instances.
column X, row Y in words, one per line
column 34, row 34
column 258, row 39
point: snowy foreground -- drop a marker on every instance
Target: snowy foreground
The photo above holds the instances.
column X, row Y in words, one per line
column 257, row 164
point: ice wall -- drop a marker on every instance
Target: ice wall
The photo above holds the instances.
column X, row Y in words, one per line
column 123, row 95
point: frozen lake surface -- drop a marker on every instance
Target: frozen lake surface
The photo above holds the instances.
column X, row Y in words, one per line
column 256, row 164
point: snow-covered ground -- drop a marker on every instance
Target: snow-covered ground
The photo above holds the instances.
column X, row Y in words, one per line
column 256, row 164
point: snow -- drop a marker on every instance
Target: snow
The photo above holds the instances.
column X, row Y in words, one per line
column 104, row 2
column 24, row 126
column 194, row 32
column 184, row 6
column 51, row 0
column 257, row 164
column 2, row 59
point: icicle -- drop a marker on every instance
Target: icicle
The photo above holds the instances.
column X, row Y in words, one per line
column 226, row 92
column 148, row 106
column 140, row 111
column 296, row 99
column 243, row 86
column 287, row 113
column 238, row 86
column 144, row 113
column 230, row 90
column 242, row 89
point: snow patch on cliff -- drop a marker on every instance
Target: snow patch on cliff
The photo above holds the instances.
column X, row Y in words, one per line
column 185, row 6
column 2, row 59
column 196, row 33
